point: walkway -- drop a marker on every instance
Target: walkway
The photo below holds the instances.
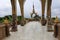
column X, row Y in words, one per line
column 31, row 31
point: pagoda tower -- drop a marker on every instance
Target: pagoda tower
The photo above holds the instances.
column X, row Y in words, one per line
column 33, row 12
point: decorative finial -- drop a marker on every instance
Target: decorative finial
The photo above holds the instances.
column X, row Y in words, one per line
column 33, row 9
column 56, row 20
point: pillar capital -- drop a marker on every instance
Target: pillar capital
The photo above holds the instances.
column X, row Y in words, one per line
column 21, row 2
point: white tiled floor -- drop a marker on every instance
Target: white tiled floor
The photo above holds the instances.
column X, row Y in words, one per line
column 31, row 31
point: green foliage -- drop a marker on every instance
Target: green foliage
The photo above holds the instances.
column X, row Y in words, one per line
column 19, row 18
column 53, row 18
column 26, row 18
column 10, row 18
column 1, row 19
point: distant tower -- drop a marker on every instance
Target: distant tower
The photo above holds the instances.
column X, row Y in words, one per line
column 33, row 11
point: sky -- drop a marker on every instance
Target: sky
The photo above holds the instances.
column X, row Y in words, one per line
column 6, row 9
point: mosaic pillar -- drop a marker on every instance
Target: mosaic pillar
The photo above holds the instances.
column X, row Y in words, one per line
column 14, row 16
column 21, row 3
column 43, row 11
column 49, row 2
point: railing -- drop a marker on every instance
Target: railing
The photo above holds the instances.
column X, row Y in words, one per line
column 2, row 31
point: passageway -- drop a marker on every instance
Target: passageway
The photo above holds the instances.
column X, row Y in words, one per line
column 31, row 31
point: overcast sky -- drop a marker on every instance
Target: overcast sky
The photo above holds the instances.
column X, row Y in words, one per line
column 5, row 8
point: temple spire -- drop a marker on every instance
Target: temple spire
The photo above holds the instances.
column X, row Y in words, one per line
column 33, row 9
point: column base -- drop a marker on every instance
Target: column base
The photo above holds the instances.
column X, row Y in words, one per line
column 49, row 28
column 23, row 23
column 14, row 29
column 43, row 22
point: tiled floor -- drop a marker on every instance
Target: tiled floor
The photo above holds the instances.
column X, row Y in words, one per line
column 31, row 31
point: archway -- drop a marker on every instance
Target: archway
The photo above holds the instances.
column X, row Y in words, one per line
column 32, row 15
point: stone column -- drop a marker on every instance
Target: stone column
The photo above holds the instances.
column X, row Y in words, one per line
column 43, row 10
column 49, row 2
column 21, row 3
column 14, row 16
